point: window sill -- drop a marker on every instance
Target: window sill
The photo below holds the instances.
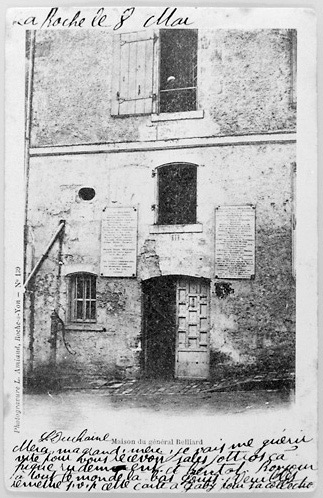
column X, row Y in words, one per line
column 85, row 327
column 174, row 116
column 198, row 227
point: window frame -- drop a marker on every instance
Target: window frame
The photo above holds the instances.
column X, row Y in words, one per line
column 72, row 311
column 174, row 227
column 154, row 109
column 161, row 33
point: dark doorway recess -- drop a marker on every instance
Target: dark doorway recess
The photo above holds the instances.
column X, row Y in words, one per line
column 159, row 322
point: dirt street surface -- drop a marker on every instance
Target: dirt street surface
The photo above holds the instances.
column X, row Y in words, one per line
column 170, row 397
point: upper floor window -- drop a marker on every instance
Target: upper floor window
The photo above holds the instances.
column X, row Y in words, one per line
column 83, row 297
column 178, row 70
column 154, row 73
column 177, row 194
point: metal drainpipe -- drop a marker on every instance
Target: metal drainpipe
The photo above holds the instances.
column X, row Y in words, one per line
column 28, row 117
column 53, row 341
column 55, row 319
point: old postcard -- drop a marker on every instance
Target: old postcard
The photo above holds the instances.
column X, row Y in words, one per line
column 161, row 244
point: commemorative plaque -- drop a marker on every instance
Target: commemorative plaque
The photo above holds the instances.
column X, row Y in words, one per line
column 235, row 242
column 119, row 242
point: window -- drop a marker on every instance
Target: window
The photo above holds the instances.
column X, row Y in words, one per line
column 178, row 70
column 177, row 194
column 154, row 73
column 83, row 298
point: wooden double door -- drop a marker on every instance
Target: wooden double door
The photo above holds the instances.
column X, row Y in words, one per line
column 176, row 327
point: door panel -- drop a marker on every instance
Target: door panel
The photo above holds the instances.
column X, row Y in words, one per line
column 192, row 337
column 192, row 364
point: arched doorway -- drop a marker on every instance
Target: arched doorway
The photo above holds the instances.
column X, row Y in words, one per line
column 176, row 327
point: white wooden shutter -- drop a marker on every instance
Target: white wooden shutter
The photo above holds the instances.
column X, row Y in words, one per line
column 132, row 80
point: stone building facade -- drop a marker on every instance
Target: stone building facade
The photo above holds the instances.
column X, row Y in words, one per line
column 138, row 143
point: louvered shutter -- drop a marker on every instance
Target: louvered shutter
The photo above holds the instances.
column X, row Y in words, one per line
column 132, row 80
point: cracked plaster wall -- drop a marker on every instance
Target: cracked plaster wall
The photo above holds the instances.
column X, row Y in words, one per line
column 244, row 86
column 71, row 105
column 254, row 323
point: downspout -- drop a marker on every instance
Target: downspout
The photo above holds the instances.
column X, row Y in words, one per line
column 31, row 34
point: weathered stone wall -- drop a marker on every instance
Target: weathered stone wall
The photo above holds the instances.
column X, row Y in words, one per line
column 114, row 349
column 253, row 325
column 244, row 85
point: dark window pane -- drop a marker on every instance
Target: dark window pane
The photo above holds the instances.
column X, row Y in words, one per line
column 178, row 58
column 178, row 100
column 93, row 288
column 79, row 287
column 178, row 70
column 87, row 284
column 79, row 310
column 87, row 310
column 177, row 194
column 93, row 310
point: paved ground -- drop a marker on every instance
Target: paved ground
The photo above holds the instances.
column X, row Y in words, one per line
column 87, row 407
column 149, row 387
column 103, row 399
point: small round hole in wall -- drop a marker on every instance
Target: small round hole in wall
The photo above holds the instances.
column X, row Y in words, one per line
column 86, row 193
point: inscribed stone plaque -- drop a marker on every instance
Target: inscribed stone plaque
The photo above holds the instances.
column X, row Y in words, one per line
column 235, row 241
column 119, row 242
